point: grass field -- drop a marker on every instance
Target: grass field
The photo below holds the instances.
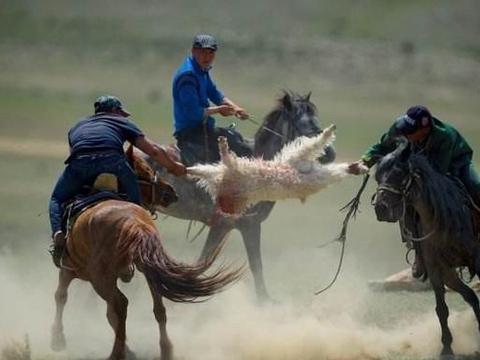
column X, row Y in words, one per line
column 365, row 63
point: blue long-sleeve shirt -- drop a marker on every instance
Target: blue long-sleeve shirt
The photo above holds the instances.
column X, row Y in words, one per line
column 192, row 91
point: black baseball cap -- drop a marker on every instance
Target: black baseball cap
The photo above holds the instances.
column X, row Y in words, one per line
column 107, row 103
column 415, row 118
column 204, row 41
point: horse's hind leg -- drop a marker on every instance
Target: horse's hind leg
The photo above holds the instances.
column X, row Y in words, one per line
column 58, row 342
column 117, row 304
column 453, row 282
column 442, row 311
column 166, row 348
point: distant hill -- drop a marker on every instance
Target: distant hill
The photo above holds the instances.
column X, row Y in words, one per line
column 246, row 24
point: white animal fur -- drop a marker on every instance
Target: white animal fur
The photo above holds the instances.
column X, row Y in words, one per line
column 293, row 173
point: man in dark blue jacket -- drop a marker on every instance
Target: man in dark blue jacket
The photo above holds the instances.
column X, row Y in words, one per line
column 96, row 146
column 193, row 89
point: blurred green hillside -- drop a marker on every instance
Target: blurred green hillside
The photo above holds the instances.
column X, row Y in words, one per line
column 363, row 60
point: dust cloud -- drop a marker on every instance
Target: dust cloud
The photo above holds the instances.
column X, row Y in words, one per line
column 348, row 322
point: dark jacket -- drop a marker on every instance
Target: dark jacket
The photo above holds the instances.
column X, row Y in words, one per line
column 446, row 149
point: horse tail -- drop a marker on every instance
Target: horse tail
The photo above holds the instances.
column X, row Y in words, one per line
column 173, row 279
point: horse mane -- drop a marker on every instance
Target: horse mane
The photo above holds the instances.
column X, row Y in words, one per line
column 447, row 198
column 139, row 164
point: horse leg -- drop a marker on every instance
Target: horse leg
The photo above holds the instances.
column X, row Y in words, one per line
column 214, row 239
column 58, row 342
column 251, row 238
column 117, row 304
column 453, row 282
column 442, row 311
column 166, row 348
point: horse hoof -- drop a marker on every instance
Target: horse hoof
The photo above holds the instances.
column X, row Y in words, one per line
column 130, row 355
column 447, row 356
column 166, row 350
column 58, row 342
column 167, row 355
column 266, row 300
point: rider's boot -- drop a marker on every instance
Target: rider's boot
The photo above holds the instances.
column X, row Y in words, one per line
column 58, row 247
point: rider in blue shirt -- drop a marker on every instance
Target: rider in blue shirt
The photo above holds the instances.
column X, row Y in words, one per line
column 96, row 146
column 193, row 89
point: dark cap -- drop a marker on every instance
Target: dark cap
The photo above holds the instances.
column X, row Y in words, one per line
column 415, row 118
column 204, row 41
column 106, row 103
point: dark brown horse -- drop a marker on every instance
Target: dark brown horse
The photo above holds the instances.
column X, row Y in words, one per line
column 443, row 224
column 108, row 240
column 293, row 116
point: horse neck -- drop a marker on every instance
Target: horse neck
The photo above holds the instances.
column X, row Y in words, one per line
column 438, row 203
column 424, row 210
column 268, row 147
column 271, row 141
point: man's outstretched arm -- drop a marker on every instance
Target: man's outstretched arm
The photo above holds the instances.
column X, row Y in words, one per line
column 159, row 154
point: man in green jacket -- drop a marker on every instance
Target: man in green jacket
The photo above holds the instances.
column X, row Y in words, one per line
column 441, row 143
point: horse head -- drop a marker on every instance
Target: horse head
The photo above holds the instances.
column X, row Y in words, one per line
column 294, row 116
column 155, row 191
column 394, row 181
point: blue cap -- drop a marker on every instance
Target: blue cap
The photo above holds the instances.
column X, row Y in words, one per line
column 415, row 118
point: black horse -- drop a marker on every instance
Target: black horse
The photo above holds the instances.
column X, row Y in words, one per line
column 444, row 227
column 294, row 116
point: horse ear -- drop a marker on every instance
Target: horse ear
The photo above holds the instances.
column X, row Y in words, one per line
column 307, row 98
column 129, row 155
column 286, row 100
column 400, row 151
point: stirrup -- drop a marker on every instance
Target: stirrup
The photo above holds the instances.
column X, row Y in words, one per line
column 57, row 254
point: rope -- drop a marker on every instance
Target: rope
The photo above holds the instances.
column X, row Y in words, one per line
column 205, row 139
column 352, row 211
column 251, row 119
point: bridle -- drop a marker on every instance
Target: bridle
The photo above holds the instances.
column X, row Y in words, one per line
column 289, row 130
column 153, row 184
column 403, row 190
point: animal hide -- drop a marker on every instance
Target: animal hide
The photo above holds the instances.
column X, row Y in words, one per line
column 236, row 183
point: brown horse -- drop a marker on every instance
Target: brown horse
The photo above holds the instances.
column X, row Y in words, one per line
column 105, row 243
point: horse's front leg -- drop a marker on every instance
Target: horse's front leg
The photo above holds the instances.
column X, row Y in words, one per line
column 453, row 282
column 442, row 311
column 215, row 237
column 251, row 232
column 58, row 342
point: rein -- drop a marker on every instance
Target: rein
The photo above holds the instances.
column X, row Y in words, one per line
column 153, row 184
column 251, row 119
column 352, row 211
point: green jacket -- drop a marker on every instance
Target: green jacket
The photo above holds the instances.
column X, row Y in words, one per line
column 446, row 149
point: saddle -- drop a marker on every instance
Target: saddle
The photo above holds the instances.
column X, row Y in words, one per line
column 104, row 188
column 193, row 149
